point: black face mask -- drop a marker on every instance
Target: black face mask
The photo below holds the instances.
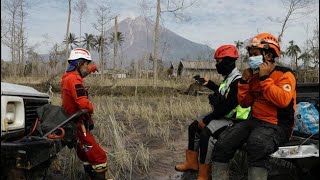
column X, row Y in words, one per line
column 226, row 66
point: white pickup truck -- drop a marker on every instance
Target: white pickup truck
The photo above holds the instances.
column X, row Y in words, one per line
column 26, row 152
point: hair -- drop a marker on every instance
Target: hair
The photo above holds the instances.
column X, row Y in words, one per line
column 81, row 61
column 270, row 51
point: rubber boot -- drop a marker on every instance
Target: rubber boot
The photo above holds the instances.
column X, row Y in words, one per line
column 220, row 171
column 257, row 173
column 101, row 175
column 191, row 162
column 88, row 170
column 204, row 172
column 98, row 176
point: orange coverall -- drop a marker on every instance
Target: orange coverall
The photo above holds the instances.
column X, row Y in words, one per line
column 75, row 97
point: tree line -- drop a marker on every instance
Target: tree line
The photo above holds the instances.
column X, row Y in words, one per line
column 25, row 60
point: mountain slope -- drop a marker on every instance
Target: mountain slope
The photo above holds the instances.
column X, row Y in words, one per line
column 138, row 42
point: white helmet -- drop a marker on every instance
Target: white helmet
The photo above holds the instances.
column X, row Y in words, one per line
column 79, row 53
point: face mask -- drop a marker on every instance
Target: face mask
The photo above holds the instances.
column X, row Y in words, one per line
column 255, row 61
column 225, row 67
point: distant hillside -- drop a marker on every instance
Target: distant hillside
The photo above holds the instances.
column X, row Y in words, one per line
column 138, row 42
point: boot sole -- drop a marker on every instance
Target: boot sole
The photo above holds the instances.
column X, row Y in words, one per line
column 188, row 170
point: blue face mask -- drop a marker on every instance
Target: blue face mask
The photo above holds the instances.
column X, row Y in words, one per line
column 255, row 61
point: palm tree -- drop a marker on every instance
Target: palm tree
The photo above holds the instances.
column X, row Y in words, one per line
column 292, row 51
column 305, row 57
column 98, row 41
column 100, row 44
column 72, row 39
column 239, row 44
column 120, row 38
column 88, row 41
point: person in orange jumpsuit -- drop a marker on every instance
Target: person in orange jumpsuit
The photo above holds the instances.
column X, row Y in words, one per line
column 270, row 90
column 74, row 98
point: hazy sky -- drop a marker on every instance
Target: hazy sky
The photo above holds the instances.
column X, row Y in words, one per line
column 213, row 22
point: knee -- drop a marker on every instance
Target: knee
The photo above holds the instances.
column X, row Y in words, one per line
column 205, row 133
column 261, row 145
column 193, row 126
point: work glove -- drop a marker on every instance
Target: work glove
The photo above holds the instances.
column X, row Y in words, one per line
column 91, row 124
column 93, row 68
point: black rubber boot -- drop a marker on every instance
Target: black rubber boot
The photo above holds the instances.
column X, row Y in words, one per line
column 89, row 170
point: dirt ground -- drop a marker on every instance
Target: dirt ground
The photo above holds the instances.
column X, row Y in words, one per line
column 162, row 159
column 163, row 155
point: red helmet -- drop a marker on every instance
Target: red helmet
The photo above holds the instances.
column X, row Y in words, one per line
column 226, row 51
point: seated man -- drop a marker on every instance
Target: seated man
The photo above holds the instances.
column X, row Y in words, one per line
column 271, row 91
column 225, row 106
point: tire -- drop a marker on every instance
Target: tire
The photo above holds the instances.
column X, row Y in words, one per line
column 37, row 173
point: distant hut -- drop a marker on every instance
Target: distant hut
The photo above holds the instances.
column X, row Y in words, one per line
column 202, row 68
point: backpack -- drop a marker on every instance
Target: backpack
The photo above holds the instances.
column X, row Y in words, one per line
column 306, row 118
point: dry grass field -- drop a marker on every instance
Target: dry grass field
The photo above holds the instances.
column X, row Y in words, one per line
column 143, row 136
column 142, row 130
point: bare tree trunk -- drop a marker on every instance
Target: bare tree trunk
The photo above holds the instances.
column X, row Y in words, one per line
column 80, row 10
column 102, row 13
column 67, row 36
column 80, row 30
column 13, row 42
column 155, row 50
column 22, row 45
column 101, row 52
column 302, row 7
column 115, row 43
column 18, row 46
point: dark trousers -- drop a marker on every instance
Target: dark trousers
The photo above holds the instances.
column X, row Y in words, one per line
column 262, row 139
column 203, row 140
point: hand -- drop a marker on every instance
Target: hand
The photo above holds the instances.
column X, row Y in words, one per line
column 200, row 80
column 247, row 74
column 206, row 80
column 92, row 68
column 265, row 68
column 201, row 124
column 89, row 122
column 91, row 126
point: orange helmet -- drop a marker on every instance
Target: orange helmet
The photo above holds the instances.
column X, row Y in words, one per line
column 265, row 41
column 226, row 51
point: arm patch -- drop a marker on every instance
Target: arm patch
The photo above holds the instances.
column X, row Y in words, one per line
column 81, row 91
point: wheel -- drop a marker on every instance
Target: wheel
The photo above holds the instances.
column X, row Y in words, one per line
column 37, row 173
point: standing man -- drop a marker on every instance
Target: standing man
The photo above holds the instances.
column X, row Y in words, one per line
column 271, row 91
column 74, row 98
column 203, row 132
